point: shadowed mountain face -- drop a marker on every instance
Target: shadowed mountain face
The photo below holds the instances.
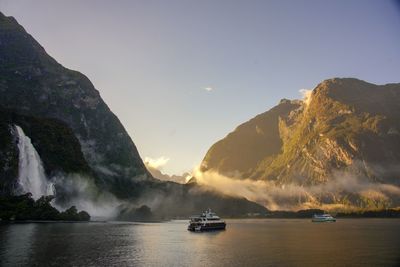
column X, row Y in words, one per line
column 249, row 143
column 347, row 125
column 46, row 135
column 33, row 83
column 84, row 148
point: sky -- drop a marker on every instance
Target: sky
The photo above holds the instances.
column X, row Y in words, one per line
column 181, row 75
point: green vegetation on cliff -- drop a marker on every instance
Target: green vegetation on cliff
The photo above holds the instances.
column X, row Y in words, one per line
column 249, row 143
column 33, row 83
column 56, row 144
column 341, row 145
column 348, row 125
column 74, row 131
column 343, row 123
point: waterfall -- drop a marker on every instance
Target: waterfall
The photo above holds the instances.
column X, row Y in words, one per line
column 31, row 175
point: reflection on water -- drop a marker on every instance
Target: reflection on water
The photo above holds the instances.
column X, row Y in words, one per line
column 16, row 243
column 351, row 242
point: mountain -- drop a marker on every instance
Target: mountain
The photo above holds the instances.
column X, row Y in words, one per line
column 249, row 143
column 75, row 143
column 346, row 127
column 156, row 173
column 33, row 83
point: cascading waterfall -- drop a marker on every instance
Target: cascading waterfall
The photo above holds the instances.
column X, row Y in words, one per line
column 32, row 177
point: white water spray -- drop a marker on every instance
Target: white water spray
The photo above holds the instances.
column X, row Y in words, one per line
column 32, row 177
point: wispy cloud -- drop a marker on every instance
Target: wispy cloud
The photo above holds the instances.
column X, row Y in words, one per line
column 157, row 163
column 208, row 89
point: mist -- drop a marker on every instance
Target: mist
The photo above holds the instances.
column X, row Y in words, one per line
column 344, row 191
column 80, row 191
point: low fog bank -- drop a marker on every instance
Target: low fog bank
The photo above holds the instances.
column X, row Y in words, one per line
column 228, row 196
column 81, row 192
column 157, row 201
column 168, row 200
column 343, row 192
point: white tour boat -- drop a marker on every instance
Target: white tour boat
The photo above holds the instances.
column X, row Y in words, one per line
column 207, row 221
column 323, row 218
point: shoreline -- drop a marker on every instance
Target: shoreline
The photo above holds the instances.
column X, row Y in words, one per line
column 141, row 222
column 46, row 221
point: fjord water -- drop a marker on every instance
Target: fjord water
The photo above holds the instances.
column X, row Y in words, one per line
column 269, row 242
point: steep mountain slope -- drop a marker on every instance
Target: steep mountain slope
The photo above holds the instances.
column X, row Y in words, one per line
column 249, row 143
column 33, row 83
column 347, row 128
column 59, row 148
column 348, row 125
column 85, row 150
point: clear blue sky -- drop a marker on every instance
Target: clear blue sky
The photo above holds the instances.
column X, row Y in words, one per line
column 152, row 60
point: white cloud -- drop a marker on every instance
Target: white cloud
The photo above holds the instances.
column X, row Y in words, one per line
column 208, row 89
column 157, row 163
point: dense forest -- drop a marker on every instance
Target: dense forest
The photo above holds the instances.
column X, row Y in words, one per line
column 24, row 207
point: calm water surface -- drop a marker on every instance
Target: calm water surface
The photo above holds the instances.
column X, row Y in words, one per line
column 270, row 242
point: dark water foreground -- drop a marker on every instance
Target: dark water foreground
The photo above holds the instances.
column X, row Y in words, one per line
column 269, row 242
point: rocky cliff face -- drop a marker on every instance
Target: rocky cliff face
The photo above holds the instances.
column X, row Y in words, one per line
column 250, row 143
column 346, row 127
column 76, row 135
column 33, row 83
column 56, row 143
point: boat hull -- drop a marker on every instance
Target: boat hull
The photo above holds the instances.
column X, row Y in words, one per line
column 206, row 227
column 323, row 220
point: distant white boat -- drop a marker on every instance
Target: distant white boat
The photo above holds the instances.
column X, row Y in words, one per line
column 207, row 221
column 323, row 218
